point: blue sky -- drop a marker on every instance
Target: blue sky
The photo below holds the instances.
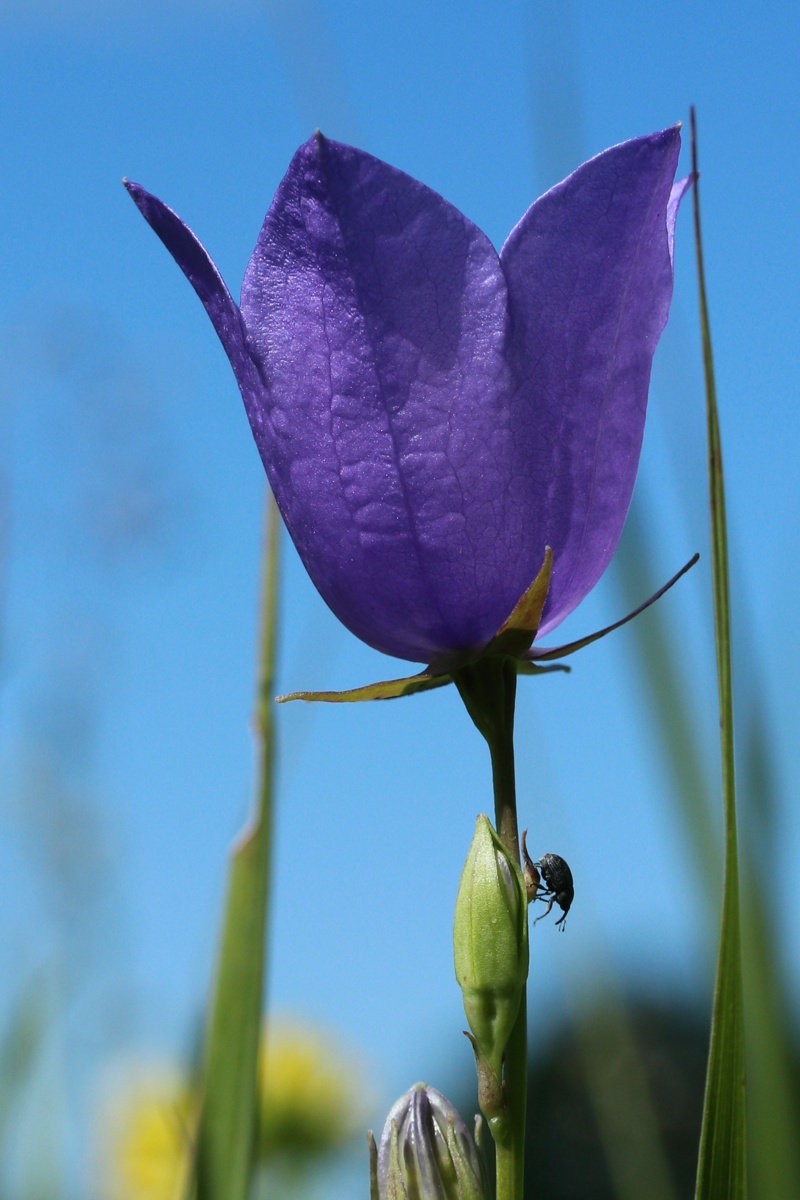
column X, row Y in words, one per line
column 133, row 500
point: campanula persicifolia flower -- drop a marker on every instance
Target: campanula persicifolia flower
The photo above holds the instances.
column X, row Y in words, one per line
column 432, row 415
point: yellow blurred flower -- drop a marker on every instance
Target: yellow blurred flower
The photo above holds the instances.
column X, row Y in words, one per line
column 311, row 1102
column 146, row 1132
column 312, row 1093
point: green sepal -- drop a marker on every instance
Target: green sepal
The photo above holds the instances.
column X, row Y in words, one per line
column 393, row 689
column 387, row 689
column 467, row 1186
column 373, row 1166
column 515, row 636
column 562, row 651
column 395, row 1184
column 526, row 667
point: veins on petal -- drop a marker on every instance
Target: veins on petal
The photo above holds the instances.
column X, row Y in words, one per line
column 577, row 558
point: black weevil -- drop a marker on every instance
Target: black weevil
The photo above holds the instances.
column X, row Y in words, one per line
column 559, row 887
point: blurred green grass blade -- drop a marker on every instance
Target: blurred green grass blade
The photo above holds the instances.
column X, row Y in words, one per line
column 622, row 1100
column 674, row 719
column 722, row 1165
column 773, row 1110
column 228, row 1115
column 773, row 1151
column 773, row 1148
column 19, row 1044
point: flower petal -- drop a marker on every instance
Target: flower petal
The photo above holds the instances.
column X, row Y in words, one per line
column 679, row 190
column 197, row 266
column 590, row 281
column 378, row 315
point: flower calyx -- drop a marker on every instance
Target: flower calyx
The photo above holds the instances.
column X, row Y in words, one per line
column 513, row 640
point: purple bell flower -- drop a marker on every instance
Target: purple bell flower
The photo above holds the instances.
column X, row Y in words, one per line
column 432, row 416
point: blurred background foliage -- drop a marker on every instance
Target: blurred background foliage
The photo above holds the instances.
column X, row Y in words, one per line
column 106, row 509
column 311, row 1107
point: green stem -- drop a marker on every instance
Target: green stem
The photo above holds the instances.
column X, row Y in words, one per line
column 489, row 689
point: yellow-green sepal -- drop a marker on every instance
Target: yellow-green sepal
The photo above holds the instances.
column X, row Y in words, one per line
column 515, row 636
column 387, row 689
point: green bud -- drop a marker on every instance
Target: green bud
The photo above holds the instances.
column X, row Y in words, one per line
column 490, row 941
column 426, row 1152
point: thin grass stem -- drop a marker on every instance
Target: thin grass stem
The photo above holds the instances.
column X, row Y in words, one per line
column 722, row 1164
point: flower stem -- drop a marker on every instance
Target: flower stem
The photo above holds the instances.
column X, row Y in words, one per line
column 488, row 689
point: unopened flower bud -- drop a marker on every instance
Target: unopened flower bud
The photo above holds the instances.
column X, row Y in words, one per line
column 490, row 940
column 426, row 1152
